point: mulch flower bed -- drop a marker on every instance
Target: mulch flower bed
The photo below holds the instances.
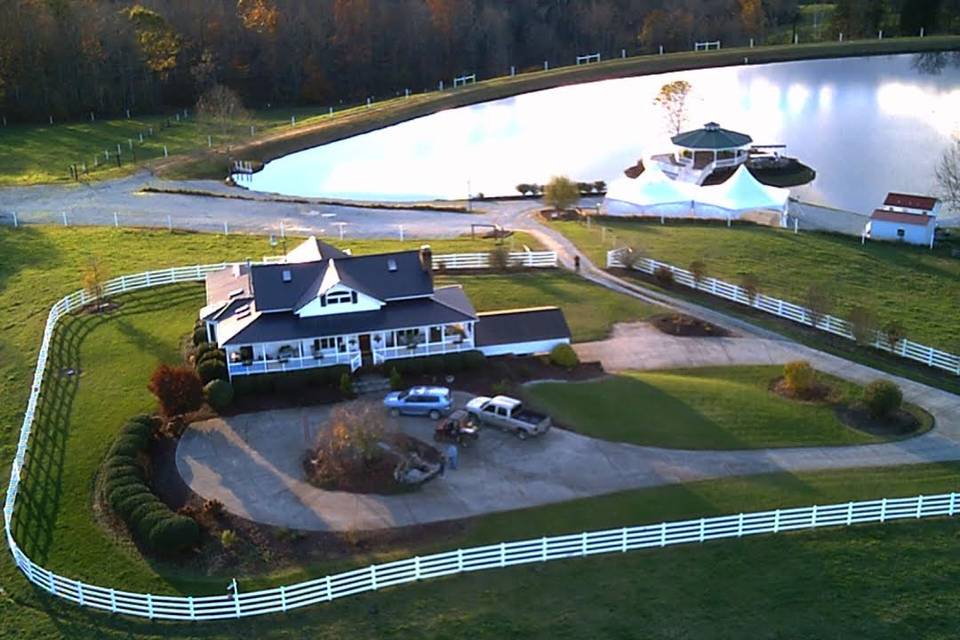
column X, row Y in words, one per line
column 900, row 423
column 682, row 325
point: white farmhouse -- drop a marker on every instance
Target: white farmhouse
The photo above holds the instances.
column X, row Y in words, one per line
column 321, row 307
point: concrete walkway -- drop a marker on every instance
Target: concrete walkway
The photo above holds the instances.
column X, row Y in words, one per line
column 252, row 462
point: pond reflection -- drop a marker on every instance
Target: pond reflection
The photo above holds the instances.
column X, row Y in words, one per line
column 867, row 125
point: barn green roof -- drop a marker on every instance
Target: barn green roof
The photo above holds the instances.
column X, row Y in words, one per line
column 711, row 136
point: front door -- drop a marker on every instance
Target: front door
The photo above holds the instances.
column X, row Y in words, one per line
column 366, row 353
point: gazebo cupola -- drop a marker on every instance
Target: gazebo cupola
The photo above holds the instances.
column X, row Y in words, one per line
column 712, row 144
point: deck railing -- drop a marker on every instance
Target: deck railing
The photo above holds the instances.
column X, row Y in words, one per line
column 382, row 576
column 831, row 324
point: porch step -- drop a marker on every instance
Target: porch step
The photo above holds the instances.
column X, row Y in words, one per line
column 371, row 384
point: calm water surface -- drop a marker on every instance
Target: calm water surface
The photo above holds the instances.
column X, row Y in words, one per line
column 867, row 125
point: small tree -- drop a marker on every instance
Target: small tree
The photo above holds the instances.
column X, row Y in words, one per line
column 750, row 284
column 561, row 192
column 178, row 389
column 500, row 258
column 396, row 380
column 599, row 186
column 632, row 257
column 94, row 277
column 664, row 275
column 523, row 188
column 799, row 377
column 882, row 398
column 564, row 356
column 894, row 333
column 221, row 109
column 346, row 385
column 673, row 98
column 698, row 269
column 819, row 301
column 863, row 325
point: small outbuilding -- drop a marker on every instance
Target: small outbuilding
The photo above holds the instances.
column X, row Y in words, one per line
column 910, row 228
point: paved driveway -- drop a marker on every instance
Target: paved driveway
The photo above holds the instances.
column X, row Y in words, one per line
column 252, row 462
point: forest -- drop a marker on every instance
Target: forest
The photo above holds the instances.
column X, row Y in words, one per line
column 68, row 58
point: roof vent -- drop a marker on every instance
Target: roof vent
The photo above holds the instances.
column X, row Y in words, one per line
column 391, row 264
column 286, row 275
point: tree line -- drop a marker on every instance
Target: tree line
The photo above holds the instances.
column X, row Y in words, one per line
column 67, row 58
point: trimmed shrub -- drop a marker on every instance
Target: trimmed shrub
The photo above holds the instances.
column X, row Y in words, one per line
column 127, row 445
column 150, row 518
column 346, row 385
column 126, row 471
column 199, row 335
column 799, row 377
column 140, row 511
column 117, row 494
column 135, row 433
column 204, row 348
column 396, row 380
column 212, row 369
column 219, row 394
column 122, row 461
column 882, row 398
column 118, row 483
column 564, row 356
column 664, row 276
column 215, row 355
column 174, row 533
column 134, row 502
column 474, row 359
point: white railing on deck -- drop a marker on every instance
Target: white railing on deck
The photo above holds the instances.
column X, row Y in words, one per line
column 375, row 577
column 838, row 326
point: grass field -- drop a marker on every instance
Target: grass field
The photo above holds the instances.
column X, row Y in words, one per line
column 31, row 154
column 915, row 286
column 37, row 154
column 614, row 596
column 712, row 408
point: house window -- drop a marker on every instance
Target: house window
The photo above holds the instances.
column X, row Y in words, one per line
column 408, row 337
column 339, row 297
column 436, row 334
column 900, row 233
column 246, row 354
column 324, row 343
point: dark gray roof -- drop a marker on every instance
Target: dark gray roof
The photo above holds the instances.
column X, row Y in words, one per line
column 454, row 297
column 400, row 314
column 368, row 274
column 520, row 325
column 712, row 136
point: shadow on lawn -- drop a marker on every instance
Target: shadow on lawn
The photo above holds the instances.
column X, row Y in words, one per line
column 39, row 500
column 24, row 247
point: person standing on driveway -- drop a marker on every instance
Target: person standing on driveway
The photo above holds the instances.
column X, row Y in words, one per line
column 453, row 455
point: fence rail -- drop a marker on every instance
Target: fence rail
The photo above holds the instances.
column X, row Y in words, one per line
column 478, row 260
column 831, row 324
column 375, row 577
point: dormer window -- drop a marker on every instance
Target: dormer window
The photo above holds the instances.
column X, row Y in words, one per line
column 339, row 297
column 286, row 275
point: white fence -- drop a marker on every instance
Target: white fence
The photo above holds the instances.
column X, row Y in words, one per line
column 375, row 577
column 825, row 322
column 533, row 259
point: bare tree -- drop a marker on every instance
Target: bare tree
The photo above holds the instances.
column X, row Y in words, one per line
column 948, row 174
column 221, row 108
column 673, row 99
column 94, row 277
column 863, row 325
column 820, row 301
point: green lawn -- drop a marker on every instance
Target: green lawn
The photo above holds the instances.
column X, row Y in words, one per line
column 591, row 310
column 31, row 154
column 711, row 408
column 914, row 286
column 80, row 415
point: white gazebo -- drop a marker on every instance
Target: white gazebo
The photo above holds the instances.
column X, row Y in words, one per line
column 700, row 152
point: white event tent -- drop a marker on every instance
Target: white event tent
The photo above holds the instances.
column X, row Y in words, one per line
column 656, row 195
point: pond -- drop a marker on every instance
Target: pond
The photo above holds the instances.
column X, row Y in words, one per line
column 867, row 125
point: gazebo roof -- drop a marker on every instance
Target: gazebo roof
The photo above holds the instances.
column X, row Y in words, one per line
column 711, row 136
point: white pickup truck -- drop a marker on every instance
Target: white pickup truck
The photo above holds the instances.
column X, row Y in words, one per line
column 508, row 414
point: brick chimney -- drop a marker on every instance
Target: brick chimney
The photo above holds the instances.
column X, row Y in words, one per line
column 426, row 258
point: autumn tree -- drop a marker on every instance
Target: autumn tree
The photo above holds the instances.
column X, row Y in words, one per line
column 561, row 193
column 178, row 389
column 672, row 99
column 159, row 43
column 751, row 16
column 94, row 277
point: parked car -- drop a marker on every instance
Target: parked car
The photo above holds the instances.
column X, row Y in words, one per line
column 419, row 401
column 510, row 415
